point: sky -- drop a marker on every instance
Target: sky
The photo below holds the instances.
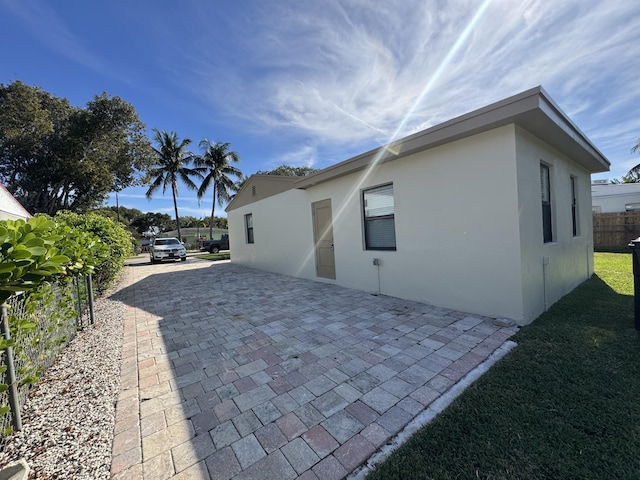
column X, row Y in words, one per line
column 312, row 83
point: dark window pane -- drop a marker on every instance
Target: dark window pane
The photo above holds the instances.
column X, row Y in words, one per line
column 248, row 222
column 380, row 233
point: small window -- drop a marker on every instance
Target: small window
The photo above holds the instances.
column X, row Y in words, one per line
column 545, row 190
column 379, row 218
column 248, row 222
column 574, row 206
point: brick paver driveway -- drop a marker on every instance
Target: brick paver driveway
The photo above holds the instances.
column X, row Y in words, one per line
column 230, row 372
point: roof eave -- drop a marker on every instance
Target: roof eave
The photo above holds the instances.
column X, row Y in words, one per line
column 532, row 110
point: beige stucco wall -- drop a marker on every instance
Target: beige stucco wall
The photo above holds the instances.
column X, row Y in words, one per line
column 570, row 259
column 464, row 213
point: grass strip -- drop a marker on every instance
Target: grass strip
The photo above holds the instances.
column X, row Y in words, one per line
column 214, row 256
column 565, row 404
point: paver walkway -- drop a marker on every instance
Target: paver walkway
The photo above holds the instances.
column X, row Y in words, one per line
column 229, row 372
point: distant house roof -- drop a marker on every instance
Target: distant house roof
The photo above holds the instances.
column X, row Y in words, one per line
column 533, row 110
column 10, row 208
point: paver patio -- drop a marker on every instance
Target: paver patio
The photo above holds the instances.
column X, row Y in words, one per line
column 230, row 372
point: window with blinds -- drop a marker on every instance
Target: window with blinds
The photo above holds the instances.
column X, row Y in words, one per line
column 379, row 218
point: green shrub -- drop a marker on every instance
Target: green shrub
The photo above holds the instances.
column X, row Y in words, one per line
column 28, row 254
column 114, row 246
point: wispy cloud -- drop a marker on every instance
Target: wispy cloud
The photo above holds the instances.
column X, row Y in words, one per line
column 42, row 21
column 349, row 72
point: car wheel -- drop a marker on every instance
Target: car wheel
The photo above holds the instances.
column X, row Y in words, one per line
column 183, row 259
column 214, row 249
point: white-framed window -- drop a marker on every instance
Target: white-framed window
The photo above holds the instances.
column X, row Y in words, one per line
column 575, row 219
column 379, row 218
column 248, row 224
column 545, row 190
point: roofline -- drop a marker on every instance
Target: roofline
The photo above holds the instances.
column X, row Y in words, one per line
column 16, row 200
column 258, row 176
column 533, row 110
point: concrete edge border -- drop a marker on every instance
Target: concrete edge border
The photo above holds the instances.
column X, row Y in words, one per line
column 433, row 410
column 18, row 470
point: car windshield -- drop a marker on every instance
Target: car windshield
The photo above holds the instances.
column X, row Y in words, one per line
column 167, row 241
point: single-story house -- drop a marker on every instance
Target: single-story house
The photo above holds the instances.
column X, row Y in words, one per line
column 615, row 197
column 488, row 213
column 10, row 208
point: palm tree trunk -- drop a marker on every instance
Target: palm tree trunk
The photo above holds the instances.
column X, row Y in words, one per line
column 175, row 207
column 213, row 209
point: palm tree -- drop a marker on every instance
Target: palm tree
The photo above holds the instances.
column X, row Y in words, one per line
column 173, row 158
column 216, row 162
column 633, row 175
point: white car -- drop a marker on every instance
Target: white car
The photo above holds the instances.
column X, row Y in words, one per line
column 167, row 249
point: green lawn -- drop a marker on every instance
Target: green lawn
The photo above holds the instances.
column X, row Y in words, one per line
column 214, row 256
column 565, row 404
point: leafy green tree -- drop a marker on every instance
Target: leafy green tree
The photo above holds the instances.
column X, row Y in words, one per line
column 146, row 221
column 171, row 166
column 289, row 171
column 54, row 156
column 216, row 164
column 284, row 170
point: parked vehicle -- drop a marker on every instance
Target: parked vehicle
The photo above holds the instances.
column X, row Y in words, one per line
column 167, row 249
column 214, row 246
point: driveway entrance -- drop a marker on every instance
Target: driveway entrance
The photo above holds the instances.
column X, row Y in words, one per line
column 230, row 372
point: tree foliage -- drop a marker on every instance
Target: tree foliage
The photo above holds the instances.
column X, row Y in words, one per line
column 144, row 222
column 54, row 156
column 28, row 254
column 289, row 171
column 284, row 170
column 216, row 166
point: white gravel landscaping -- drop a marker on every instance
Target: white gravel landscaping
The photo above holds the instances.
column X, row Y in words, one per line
column 69, row 416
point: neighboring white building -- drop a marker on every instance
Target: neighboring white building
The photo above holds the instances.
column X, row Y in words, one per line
column 10, row 208
column 488, row 213
column 615, row 197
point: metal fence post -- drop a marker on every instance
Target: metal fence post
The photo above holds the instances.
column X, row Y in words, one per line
column 11, row 373
column 76, row 279
column 90, row 295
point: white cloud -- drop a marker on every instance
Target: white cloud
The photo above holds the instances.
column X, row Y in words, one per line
column 347, row 73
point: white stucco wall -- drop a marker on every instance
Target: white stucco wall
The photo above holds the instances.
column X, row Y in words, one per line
column 464, row 213
column 283, row 235
column 456, row 223
column 10, row 208
column 570, row 259
column 615, row 197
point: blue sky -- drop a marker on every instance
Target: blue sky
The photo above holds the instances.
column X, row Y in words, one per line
column 313, row 83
